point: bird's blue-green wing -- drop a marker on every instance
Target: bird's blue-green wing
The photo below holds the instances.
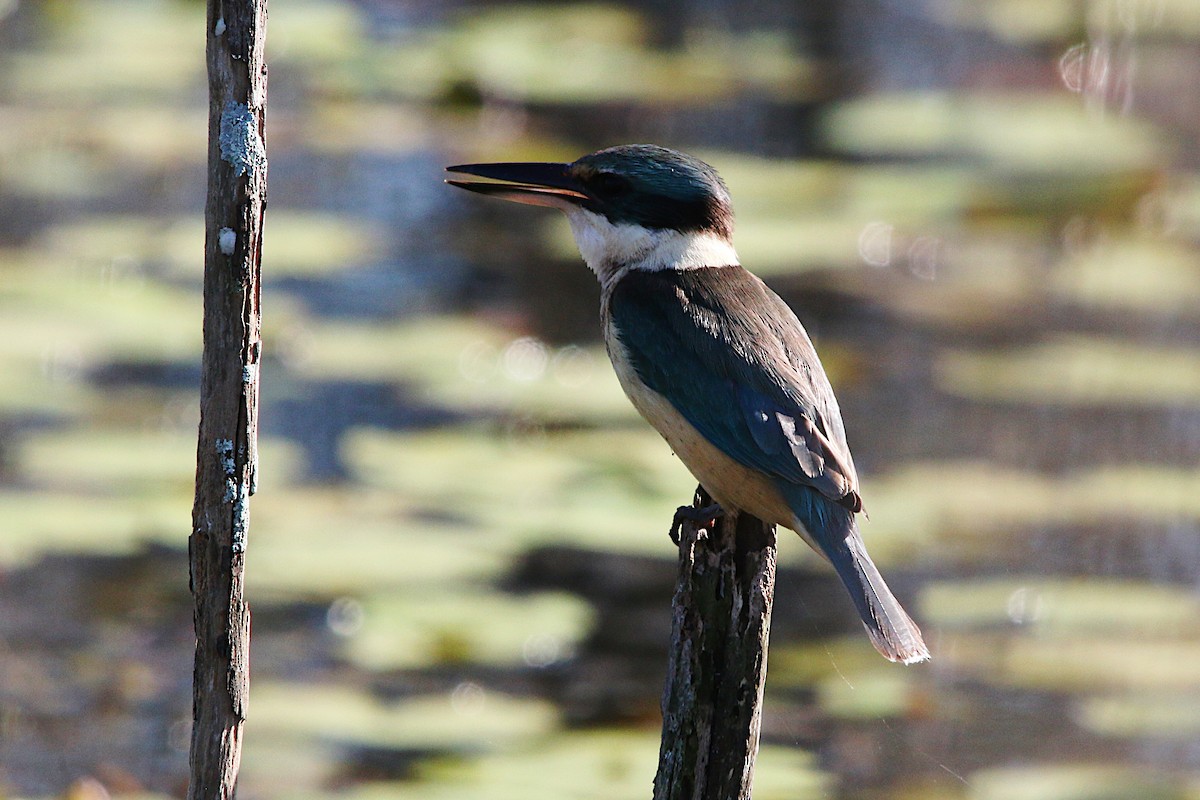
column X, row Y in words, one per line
column 732, row 358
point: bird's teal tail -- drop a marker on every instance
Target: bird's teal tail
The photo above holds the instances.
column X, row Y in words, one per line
column 892, row 631
column 833, row 530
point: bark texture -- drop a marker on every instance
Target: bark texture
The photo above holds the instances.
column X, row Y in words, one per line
column 712, row 701
column 226, row 455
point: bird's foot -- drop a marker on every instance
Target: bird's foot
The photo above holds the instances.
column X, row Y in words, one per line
column 704, row 517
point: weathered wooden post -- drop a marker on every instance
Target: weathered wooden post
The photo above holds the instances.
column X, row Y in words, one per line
column 226, row 455
column 712, row 701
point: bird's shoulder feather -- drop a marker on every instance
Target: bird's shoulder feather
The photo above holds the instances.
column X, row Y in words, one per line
column 734, row 360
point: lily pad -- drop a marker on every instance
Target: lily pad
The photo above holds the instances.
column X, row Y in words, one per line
column 1019, row 21
column 1167, row 280
column 318, row 34
column 871, row 694
column 138, row 462
column 299, row 547
column 465, row 364
column 1071, row 782
column 81, row 63
column 962, row 506
column 1075, row 663
column 1013, row 133
column 590, row 53
column 1053, row 21
column 1155, row 715
column 299, row 243
column 1075, row 370
column 43, row 522
column 1176, row 209
column 605, row 489
column 471, row 718
column 81, row 311
column 434, row 626
column 104, row 489
column 1062, row 607
column 109, row 147
column 614, row 764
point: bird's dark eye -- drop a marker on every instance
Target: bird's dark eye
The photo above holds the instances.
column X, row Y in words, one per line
column 609, row 184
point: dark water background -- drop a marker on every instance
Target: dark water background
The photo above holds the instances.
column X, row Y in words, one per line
column 987, row 214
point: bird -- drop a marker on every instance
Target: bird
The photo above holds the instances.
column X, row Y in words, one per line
column 709, row 355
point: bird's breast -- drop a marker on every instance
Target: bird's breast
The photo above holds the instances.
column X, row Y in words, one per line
column 730, row 483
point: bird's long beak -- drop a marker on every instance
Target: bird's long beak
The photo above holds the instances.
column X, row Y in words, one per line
column 533, row 183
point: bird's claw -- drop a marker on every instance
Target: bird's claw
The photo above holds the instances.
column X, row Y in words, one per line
column 704, row 517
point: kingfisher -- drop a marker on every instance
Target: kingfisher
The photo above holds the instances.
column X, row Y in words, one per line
column 712, row 358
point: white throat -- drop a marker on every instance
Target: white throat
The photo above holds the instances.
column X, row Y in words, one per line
column 610, row 250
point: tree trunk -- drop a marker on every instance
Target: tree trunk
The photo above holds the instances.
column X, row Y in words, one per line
column 712, row 701
column 226, row 455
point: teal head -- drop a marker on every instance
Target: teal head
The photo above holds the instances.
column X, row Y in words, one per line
column 634, row 206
